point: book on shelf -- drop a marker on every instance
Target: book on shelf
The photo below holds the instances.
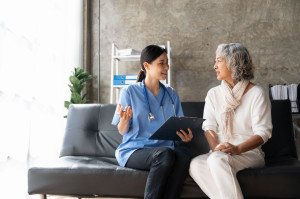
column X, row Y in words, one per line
column 123, row 77
column 124, row 82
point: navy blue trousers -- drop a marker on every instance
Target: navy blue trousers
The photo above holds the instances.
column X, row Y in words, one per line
column 167, row 170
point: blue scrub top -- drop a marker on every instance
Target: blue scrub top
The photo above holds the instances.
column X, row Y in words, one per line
column 140, row 128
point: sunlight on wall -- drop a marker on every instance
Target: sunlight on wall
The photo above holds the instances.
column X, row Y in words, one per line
column 40, row 44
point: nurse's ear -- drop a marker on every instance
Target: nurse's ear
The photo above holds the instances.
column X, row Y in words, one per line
column 147, row 66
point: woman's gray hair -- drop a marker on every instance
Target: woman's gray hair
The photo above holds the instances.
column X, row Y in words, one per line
column 238, row 60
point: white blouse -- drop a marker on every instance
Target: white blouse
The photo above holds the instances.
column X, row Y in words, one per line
column 252, row 116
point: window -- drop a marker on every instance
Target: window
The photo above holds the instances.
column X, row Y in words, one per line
column 40, row 44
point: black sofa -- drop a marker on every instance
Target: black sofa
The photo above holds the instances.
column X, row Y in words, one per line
column 87, row 166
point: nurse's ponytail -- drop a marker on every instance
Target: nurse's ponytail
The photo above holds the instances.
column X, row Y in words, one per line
column 141, row 75
column 149, row 54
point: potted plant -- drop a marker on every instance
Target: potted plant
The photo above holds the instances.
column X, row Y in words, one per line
column 78, row 82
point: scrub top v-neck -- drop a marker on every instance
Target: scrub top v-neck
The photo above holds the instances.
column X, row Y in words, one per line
column 140, row 128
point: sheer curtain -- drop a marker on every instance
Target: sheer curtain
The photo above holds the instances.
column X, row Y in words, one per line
column 40, row 44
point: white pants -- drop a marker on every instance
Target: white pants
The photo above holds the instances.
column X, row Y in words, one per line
column 215, row 172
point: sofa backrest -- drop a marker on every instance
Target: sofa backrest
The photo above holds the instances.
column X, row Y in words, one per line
column 199, row 144
column 89, row 131
column 282, row 143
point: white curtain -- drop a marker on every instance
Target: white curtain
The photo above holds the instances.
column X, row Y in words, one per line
column 40, row 44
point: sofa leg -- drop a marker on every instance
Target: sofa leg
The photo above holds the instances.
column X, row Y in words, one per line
column 44, row 196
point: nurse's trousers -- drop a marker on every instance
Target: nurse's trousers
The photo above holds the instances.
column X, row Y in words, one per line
column 215, row 172
column 167, row 170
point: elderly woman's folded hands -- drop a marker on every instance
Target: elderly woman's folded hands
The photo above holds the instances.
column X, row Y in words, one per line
column 228, row 148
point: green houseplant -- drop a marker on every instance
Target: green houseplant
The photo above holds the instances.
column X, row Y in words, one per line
column 78, row 81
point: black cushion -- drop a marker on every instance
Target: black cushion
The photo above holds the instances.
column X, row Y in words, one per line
column 282, row 143
column 86, row 176
column 199, row 144
column 89, row 131
column 280, row 180
column 193, row 109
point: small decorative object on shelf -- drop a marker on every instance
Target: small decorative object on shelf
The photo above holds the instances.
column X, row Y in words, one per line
column 128, row 52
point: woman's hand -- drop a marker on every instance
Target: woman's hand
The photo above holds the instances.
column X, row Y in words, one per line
column 184, row 136
column 228, row 148
column 252, row 143
column 125, row 115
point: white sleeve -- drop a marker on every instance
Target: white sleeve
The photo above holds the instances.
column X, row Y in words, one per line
column 261, row 117
column 209, row 114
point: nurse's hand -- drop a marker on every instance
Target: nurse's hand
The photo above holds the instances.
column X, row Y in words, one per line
column 125, row 114
column 184, row 136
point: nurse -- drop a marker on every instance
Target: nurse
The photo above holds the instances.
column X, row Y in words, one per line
column 143, row 107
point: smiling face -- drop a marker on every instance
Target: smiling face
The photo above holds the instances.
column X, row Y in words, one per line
column 223, row 73
column 158, row 69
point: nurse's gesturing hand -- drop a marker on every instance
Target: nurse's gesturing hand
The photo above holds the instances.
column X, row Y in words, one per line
column 125, row 116
column 184, row 136
column 126, row 113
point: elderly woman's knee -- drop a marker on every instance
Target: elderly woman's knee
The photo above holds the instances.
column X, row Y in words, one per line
column 218, row 157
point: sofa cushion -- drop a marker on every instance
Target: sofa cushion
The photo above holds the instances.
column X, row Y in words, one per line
column 89, row 131
column 282, row 142
column 199, row 144
column 86, row 176
column 96, row 176
column 93, row 176
column 279, row 180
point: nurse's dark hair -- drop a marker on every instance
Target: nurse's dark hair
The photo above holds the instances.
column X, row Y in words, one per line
column 149, row 54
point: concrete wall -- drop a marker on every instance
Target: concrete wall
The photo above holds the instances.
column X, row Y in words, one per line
column 270, row 29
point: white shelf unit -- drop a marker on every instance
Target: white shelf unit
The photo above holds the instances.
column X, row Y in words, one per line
column 115, row 59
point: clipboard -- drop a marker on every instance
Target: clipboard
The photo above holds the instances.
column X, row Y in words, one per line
column 167, row 131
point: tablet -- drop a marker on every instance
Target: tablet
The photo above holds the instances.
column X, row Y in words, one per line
column 167, row 131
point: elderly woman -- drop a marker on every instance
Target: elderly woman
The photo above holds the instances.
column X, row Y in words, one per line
column 238, row 122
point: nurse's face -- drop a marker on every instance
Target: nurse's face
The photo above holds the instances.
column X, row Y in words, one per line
column 222, row 71
column 159, row 67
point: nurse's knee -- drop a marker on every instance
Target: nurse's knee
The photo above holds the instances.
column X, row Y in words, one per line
column 218, row 158
column 164, row 157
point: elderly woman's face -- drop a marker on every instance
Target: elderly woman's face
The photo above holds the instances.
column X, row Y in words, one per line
column 223, row 73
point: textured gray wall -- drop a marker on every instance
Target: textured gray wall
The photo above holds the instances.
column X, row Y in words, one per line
column 270, row 29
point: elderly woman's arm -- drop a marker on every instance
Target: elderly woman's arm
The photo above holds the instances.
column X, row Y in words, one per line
column 212, row 139
column 261, row 125
column 210, row 124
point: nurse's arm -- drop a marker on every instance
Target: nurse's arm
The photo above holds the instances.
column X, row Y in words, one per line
column 212, row 139
column 125, row 116
column 123, row 126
